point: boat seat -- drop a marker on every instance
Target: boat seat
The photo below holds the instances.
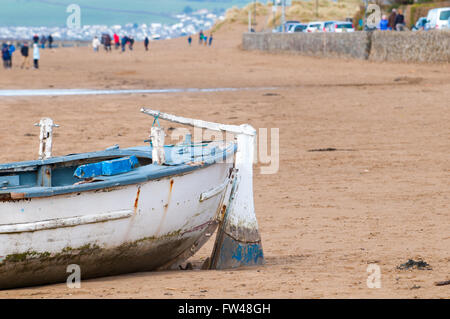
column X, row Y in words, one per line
column 107, row 168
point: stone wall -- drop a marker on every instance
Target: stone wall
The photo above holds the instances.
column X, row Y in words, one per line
column 432, row 46
column 429, row 46
column 317, row 44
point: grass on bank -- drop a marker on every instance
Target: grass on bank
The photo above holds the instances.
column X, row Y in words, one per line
column 304, row 11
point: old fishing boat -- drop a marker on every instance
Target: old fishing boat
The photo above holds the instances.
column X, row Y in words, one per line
column 126, row 210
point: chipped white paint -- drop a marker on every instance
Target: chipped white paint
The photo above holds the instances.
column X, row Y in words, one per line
column 157, row 137
column 46, row 137
column 65, row 222
column 242, row 213
column 163, row 206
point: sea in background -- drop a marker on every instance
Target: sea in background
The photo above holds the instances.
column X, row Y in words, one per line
column 52, row 13
column 21, row 19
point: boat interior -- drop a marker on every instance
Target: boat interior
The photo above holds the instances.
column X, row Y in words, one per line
column 102, row 169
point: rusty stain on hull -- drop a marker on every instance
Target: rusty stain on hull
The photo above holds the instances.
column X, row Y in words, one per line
column 136, row 201
column 135, row 211
column 166, row 208
column 17, row 195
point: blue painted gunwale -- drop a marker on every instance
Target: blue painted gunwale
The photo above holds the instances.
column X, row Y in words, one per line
column 138, row 175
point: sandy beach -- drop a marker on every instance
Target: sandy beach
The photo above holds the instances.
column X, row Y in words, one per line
column 382, row 197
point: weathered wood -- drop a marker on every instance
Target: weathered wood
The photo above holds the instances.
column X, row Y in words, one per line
column 157, row 136
column 46, row 137
column 241, row 129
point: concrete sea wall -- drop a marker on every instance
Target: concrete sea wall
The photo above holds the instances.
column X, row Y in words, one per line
column 408, row 46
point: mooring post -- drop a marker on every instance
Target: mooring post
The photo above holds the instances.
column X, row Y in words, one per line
column 46, row 137
column 44, row 176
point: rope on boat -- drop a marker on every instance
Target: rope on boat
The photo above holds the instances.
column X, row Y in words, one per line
column 156, row 120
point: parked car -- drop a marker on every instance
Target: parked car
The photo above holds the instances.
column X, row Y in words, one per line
column 420, row 24
column 438, row 18
column 316, row 26
column 327, row 25
column 292, row 27
column 301, row 27
column 289, row 23
column 340, row 26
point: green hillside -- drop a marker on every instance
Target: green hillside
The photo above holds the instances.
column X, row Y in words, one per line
column 108, row 12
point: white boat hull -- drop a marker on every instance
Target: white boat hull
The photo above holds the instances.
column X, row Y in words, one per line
column 138, row 227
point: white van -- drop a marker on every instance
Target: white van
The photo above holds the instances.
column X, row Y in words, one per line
column 438, row 18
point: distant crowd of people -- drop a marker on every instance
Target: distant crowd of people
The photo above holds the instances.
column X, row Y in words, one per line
column 119, row 42
column 125, row 42
column 41, row 41
column 202, row 39
column 8, row 50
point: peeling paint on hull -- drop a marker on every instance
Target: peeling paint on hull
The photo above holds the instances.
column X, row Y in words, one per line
column 143, row 255
column 167, row 225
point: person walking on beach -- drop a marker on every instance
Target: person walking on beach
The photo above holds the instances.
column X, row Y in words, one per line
column 124, row 42
column 95, row 44
column 146, row 42
column 200, row 37
column 116, row 41
column 11, row 49
column 36, row 56
column 35, row 38
column 210, row 39
column 6, row 56
column 25, row 54
column 50, row 41
column 392, row 19
column 190, row 40
column 43, row 41
column 131, row 43
column 108, row 43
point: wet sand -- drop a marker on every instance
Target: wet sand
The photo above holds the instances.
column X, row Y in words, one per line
column 382, row 197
